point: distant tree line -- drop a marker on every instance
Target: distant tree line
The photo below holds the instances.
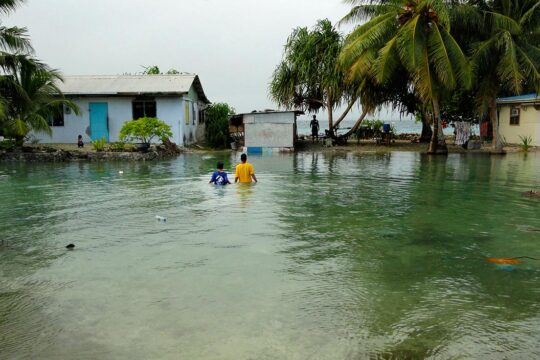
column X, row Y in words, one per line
column 430, row 58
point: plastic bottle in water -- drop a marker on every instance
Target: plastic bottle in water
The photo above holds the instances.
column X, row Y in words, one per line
column 161, row 218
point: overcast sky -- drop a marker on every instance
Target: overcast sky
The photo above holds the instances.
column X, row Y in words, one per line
column 233, row 45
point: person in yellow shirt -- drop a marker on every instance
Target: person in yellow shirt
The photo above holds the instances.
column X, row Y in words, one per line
column 244, row 171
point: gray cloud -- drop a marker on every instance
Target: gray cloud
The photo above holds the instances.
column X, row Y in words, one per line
column 233, row 45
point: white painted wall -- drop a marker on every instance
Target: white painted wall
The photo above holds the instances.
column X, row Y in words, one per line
column 529, row 125
column 169, row 109
column 274, row 130
column 269, row 135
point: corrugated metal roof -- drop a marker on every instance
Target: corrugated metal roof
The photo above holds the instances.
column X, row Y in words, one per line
column 519, row 98
column 131, row 85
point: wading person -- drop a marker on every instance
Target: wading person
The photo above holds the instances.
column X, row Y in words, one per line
column 219, row 177
column 314, row 124
column 244, row 171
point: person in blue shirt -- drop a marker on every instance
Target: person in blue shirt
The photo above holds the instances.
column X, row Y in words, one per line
column 219, row 177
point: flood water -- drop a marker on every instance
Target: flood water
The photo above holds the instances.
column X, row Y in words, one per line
column 329, row 256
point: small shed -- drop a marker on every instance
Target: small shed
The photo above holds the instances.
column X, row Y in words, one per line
column 519, row 116
column 265, row 130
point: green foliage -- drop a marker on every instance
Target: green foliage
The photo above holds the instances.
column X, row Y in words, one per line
column 7, row 145
column 375, row 125
column 217, row 125
column 99, row 144
column 526, row 142
column 151, row 70
column 118, row 146
column 155, row 70
column 145, row 129
column 308, row 77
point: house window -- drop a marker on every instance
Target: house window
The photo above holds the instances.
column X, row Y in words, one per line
column 56, row 119
column 144, row 109
column 186, row 112
column 514, row 116
column 193, row 113
column 201, row 116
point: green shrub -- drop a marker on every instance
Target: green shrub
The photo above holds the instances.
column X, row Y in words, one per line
column 526, row 142
column 99, row 144
column 145, row 129
column 7, row 145
column 217, row 125
column 118, row 146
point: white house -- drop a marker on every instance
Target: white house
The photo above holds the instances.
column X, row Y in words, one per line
column 519, row 116
column 107, row 102
column 266, row 130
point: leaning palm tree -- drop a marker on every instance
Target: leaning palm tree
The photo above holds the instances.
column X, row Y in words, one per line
column 414, row 36
column 508, row 57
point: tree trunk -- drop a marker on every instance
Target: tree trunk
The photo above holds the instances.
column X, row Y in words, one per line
column 426, row 128
column 342, row 117
column 357, row 124
column 437, row 144
column 497, row 146
column 330, row 119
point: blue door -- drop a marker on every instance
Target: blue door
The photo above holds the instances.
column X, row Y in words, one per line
column 99, row 124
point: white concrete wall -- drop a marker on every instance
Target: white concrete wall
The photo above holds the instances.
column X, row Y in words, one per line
column 529, row 124
column 269, row 135
column 169, row 109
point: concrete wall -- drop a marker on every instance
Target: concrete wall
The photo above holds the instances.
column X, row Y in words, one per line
column 529, row 124
column 269, row 135
column 271, row 130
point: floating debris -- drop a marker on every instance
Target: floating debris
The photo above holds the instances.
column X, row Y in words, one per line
column 70, row 247
column 531, row 193
column 161, row 218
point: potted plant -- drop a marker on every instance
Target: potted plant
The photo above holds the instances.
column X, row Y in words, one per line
column 144, row 130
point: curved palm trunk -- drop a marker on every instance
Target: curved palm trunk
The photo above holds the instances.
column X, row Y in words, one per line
column 330, row 119
column 496, row 147
column 437, row 144
column 356, row 125
column 342, row 117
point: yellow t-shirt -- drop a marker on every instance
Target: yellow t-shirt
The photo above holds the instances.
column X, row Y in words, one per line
column 244, row 172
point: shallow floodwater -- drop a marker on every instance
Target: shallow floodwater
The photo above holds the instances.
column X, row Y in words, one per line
column 329, row 256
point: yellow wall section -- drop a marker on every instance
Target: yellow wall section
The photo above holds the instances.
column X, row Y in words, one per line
column 529, row 124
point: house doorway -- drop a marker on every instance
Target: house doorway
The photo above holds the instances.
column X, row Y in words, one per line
column 99, row 124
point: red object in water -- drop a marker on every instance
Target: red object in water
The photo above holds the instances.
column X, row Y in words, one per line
column 444, row 124
column 506, row 261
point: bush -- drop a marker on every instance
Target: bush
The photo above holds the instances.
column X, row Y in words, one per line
column 7, row 145
column 99, row 144
column 526, row 142
column 217, row 125
column 145, row 129
column 118, row 146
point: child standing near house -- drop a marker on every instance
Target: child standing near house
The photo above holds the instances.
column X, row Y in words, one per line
column 80, row 142
column 219, row 177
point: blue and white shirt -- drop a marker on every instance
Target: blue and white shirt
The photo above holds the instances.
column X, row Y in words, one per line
column 220, row 178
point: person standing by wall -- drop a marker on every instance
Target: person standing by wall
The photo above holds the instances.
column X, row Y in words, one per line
column 244, row 171
column 314, row 124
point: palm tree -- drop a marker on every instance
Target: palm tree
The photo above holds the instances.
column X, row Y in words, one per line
column 410, row 35
column 508, row 57
column 31, row 95
column 308, row 76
